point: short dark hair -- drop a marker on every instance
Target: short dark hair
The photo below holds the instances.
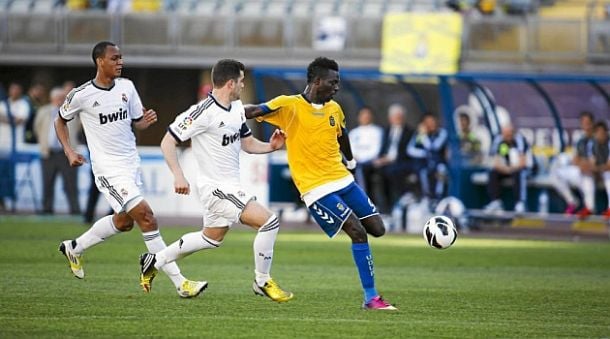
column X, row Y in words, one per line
column 320, row 67
column 586, row 114
column 225, row 70
column 465, row 115
column 601, row 124
column 99, row 50
column 367, row 107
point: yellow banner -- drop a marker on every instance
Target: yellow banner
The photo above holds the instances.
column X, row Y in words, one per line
column 421, row 43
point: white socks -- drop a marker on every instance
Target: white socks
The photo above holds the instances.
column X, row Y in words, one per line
column 588, row 191
column 188, row 244
column 263, row 249
column 196, row 241
column 101, row 230
column 561, row 185
column 154, row 242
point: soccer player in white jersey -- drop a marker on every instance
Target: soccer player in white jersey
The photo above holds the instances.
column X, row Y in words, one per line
column 218, row 130
column 108, row 106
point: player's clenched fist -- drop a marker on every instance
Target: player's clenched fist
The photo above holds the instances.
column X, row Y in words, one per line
column 181, row 186
column 75, row 159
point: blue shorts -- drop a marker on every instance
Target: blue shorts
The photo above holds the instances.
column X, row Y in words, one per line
column 331, row 211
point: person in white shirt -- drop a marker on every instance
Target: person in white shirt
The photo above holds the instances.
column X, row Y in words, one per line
column 108, row 106
column 218, row 131
column 366, row 140
column 393, row 162
column 51, row 154
column 19, row 110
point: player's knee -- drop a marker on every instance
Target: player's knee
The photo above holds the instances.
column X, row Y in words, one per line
column 374, row 226
column 377, row 231
column 148, row 222
column 270, row 224
column 123, row 225
column 355, row 231
column 213, row 238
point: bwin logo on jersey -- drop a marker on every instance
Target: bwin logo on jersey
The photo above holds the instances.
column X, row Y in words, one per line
column 229, row 139
column 116, row 116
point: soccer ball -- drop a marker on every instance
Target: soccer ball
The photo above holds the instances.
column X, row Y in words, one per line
column 440, row 232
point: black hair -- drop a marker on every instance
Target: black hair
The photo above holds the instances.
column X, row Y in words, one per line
column 465, row 115
column 428, row 114
column 320, row 67
column 99, row 50
column 586, row 114
column 225, row 70
column 601, row 124
column 363, row 107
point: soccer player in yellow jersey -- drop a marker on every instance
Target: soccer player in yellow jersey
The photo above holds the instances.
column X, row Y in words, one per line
column 317, row 142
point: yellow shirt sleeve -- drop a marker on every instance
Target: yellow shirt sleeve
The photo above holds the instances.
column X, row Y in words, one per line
column 280, row 109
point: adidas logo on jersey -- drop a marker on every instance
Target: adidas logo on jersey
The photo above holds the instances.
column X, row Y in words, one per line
column 116, row 116
column 222, row 124
column 95, row 104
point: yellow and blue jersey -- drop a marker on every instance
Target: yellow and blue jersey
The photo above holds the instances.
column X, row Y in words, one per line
column 311, row 131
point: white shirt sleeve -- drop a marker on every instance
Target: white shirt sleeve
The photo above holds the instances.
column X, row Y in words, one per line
column 190, row 123
column 71, row 106
column 135, row 104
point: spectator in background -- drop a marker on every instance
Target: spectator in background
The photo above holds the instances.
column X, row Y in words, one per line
column 470, row 144
column 53, row 160
column 366, row 144
column 67, row 86
column 36, row 97
column 18, row 108
column 509, row 152
column 567, row 173
column 600, row 161
column 393, row 162
column 429, row 148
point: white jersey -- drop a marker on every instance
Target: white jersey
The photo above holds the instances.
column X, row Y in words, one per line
column 106, row 115
column 366, row 142
column 215, row 132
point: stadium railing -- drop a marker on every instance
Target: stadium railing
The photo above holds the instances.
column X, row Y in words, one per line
column 198, row 37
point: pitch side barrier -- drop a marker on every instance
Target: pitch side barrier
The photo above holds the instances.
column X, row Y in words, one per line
column 543, row 107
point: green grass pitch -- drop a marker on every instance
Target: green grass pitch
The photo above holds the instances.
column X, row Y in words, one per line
column 477, row 288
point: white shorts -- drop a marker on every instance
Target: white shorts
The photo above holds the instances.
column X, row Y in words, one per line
column 223, row 204
column 121, row 191
column 570, row 174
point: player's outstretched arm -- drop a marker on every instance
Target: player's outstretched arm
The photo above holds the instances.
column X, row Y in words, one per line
column 168, row 147
column 253, row 111
column 149, row 117
column 346, row 149
column 63, row 134
column 254, row 146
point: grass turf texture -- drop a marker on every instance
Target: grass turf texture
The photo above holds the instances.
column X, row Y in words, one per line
column 477, row 288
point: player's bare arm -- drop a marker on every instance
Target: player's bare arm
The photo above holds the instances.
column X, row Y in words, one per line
column 346, row 149
column 61, row 128
column 253, row 111
column 254, row 146
column 149, row 117
column 168, row 147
